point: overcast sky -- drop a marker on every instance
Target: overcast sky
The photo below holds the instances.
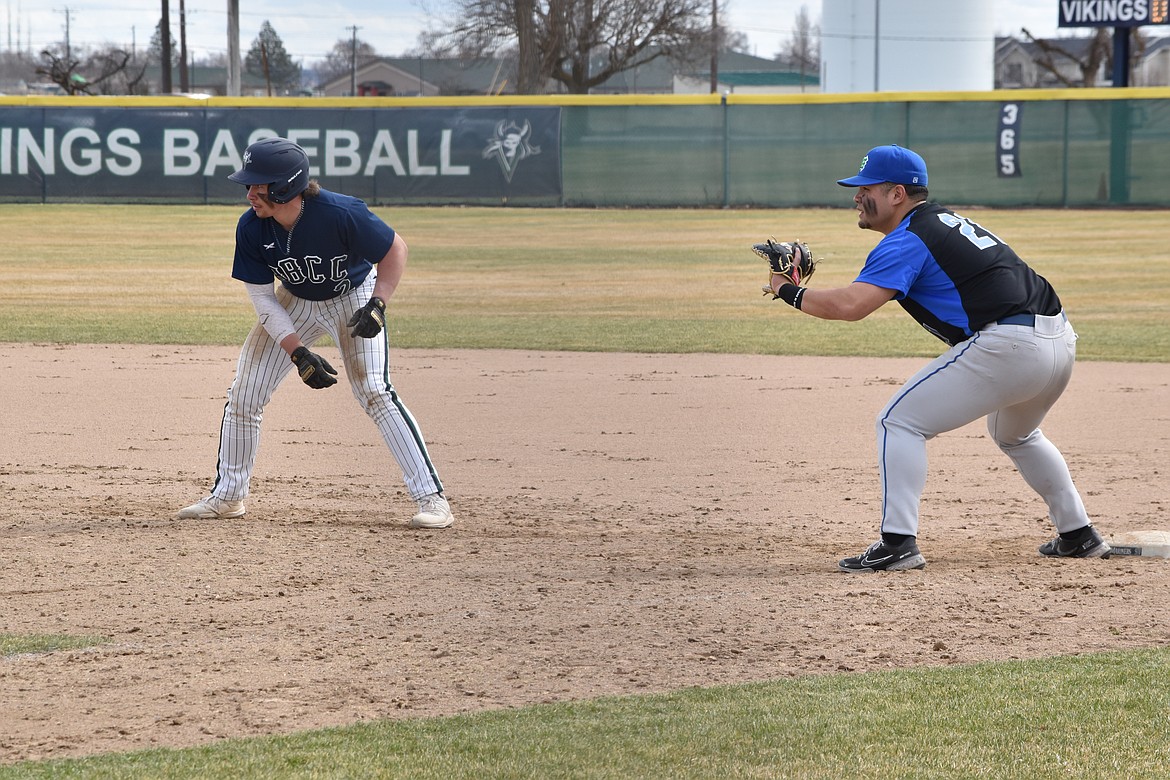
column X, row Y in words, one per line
column 310, row 28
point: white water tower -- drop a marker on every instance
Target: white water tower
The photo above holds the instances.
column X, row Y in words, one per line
column 907, row 45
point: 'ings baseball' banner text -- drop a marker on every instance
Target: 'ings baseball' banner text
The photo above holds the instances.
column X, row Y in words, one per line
column 186, row 154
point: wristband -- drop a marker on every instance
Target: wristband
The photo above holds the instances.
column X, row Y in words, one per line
column 791, row 294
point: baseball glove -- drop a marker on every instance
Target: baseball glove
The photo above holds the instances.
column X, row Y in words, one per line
column 788, row 263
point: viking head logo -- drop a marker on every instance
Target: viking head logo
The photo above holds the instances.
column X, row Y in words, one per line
column 510, row 145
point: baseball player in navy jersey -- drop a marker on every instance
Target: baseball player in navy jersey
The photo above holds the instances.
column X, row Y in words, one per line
column 337, row 264
column 1010, row 356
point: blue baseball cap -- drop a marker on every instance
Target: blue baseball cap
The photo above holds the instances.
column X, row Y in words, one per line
column 889, row 163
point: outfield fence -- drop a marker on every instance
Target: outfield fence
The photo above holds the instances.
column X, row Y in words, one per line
column 1053, row 148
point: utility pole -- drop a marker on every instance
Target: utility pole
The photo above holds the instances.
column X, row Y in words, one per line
column 184, row 81
column 233, row 49
column 353, row 62
column 164, row 34
column 68, row 50
column 714, row 46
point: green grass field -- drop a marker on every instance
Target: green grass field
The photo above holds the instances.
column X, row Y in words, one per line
column 604, row 280
column 652, row 281
column 1086, row 717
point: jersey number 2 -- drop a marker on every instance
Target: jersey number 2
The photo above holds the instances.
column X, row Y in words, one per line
column 967, row 229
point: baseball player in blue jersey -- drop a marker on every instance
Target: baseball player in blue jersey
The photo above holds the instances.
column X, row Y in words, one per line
column 1011, row 353
column 337, row 264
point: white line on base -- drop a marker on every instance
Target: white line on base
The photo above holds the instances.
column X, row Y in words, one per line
column 1147, row 544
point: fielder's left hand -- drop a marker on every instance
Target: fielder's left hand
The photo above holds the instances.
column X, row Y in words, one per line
column 788, row 263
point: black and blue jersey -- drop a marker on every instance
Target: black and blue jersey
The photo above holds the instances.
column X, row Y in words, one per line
column 953, row 276
column 329, row 251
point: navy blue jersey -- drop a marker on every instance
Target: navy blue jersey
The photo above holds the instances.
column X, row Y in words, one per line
column 329, row 251
column 953, row 276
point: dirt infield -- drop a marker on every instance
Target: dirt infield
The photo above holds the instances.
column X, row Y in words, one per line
column 626, row 524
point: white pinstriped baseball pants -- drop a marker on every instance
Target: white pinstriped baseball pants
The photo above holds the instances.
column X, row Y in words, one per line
column 263, row 364
column 1010, row 374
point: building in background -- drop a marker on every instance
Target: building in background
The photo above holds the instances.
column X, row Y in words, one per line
column 408, row 77
column 425, row 76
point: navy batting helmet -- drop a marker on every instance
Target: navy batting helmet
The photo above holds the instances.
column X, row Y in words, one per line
column 280, row 164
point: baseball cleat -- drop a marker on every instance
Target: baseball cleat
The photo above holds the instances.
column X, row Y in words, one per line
column 212, row 508
column 433, row 512
column 1090, row 545
column 885, row 557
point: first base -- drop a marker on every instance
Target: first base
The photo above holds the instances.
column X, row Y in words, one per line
column 1148, row 544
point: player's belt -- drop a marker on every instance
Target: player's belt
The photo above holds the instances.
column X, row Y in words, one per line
column 1019, row 319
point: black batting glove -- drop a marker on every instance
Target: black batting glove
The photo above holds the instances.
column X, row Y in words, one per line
column 367, row 321
column 314, row 369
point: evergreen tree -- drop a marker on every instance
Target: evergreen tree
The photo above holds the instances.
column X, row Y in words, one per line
column 268, row 60
column 154, row 52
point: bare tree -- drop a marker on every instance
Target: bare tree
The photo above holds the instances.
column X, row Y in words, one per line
column 341, row 58
column 734, row 40
column 117, row 73
column 62, row 71
column 803, row 50
column 529, row 62
column 104, row 72
column 576, row 43
column 1098, row 54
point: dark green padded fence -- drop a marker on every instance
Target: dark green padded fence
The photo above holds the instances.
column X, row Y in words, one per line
column 1071, row 148
column 1090, row 147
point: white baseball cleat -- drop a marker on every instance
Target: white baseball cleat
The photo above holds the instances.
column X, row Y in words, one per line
column 212, row 508
column 433, row 512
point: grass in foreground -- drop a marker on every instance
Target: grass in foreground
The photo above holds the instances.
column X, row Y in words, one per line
column 18, row 644
column 1094, row 716
column 559, row 279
